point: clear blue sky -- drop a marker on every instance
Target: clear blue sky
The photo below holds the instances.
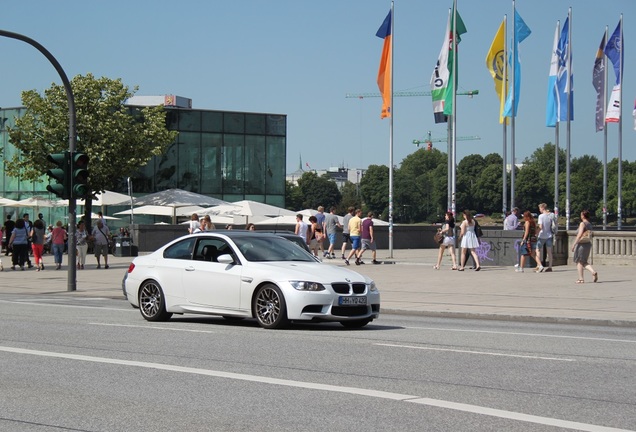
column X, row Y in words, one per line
column 300, row 58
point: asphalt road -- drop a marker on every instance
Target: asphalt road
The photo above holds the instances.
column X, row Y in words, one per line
column 93, row 364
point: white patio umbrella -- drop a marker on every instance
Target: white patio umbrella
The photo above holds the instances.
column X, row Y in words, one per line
column 36, row 202
column 108, row 198
column 96, row 216
column 176, row 198
column 7, row 202
column 158, row 210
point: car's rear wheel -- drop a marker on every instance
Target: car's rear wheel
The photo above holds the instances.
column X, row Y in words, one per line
column 152, row 303
column 356, row 323
column 270, row 308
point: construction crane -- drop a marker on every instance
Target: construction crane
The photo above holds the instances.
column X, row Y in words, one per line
column 429, row 141
column 469, row 93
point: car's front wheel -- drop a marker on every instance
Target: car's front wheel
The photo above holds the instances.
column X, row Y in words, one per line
column 270, row 308
column 152, row 303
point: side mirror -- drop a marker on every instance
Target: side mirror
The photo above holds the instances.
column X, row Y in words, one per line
column 225, row 259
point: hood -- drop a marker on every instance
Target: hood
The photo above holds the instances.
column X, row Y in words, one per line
column 315, row 272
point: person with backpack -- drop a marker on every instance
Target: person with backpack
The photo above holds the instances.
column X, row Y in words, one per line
column 545, row 237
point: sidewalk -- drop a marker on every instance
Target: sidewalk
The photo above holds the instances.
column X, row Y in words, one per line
column 409, row 285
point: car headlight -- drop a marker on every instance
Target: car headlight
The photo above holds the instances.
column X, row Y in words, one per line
column 372, row 287
column 307, row 286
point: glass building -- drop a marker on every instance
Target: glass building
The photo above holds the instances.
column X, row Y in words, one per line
column 232, row 156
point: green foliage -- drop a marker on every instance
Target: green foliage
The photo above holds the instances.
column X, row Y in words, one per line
column 318, row 191
column 374, row 189
column 116, row 141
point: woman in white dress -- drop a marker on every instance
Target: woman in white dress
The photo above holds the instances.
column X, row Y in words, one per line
column 448, row 229
column 469, row 240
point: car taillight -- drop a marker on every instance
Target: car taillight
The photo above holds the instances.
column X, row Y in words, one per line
column 131, row 267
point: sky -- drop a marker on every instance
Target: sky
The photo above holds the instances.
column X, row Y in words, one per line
column 300, row 58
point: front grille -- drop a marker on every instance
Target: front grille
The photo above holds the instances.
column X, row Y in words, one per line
column 359, row 288
column 341, row 288
column 349, row 311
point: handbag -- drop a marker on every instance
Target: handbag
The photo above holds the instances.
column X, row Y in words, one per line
column 586, row 237
column 438, row 237
column 478, row 232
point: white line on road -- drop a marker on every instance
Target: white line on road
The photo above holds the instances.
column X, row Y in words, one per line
column 476, row 409
column 522, row 334
column 475, row 352
column 151, row 327
column 65, row 305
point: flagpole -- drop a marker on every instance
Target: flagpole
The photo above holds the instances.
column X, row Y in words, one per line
column 513, row 111
column 619, row 223
column 391, row 142
column 454, row 112
column 449, row 168
column 567, row 136
column 605, row 136
column 504, row 90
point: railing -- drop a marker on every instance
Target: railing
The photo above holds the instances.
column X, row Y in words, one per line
column 610, row 247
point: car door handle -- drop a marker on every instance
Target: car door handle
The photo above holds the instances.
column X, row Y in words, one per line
column 189, row 268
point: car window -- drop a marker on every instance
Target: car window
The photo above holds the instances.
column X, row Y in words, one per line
column 271, row 248
column 180, row 250
column 209, row 249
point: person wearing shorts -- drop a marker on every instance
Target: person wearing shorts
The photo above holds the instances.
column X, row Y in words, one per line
column 346, row 237
column 368, row 239
column 355, row 228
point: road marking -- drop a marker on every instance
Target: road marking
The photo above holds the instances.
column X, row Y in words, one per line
column 476, row 409
column 522, row 334
column 30, row 303
column 152, row 327
column 475, row 352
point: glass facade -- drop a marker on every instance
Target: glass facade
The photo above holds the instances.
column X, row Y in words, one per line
column 228, row 155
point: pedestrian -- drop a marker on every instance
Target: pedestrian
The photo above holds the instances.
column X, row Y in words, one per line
column 346, row 237
column 545, row 237
column 29, row 226
column 511, row 222
column 469, row 240
column 9, row 225
column 448, row 230
column 58, row 237
column 320, row 219
column 314, row 233
column 355, row 228
column 528, row 240
column 101, row 238
column 331, row 225
column 194, row 223
column 19, row 244
column 302, row 229
column 250, row 227
column 210, row 225
column 368, row 238
column 38, row 233
column 582, row 247
column 100, row 218
column 466, row 252
column 81, row 237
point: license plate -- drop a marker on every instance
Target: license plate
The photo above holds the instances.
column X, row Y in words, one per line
column 352, row 301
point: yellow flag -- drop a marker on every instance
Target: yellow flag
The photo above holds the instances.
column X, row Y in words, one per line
column 496, row 64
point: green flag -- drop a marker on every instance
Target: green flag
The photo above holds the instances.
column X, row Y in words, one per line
column 457, row 28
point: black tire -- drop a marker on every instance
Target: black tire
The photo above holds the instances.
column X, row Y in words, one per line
column 152, row 303
column 356, row 323
column 269, row 307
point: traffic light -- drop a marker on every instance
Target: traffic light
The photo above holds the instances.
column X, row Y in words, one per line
column 60, row 174
column 79, row 175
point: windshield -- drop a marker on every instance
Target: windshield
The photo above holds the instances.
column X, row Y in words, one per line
column 271, row 248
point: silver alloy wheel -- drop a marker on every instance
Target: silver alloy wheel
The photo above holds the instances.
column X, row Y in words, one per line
column 270, row 308
column 151, row 302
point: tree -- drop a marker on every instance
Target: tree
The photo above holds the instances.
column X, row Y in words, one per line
column 117, row 140
column 350, row 197
column 318, row 191
column 374, row 189
column 293, row 196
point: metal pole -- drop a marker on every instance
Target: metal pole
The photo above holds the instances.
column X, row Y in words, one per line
column 72, row 142
column 567, row 136
column 605, row 137
column 391, row 142
column 619, row 222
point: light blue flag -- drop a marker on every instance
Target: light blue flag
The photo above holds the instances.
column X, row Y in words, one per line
column 565, row 81
column 522, row 31
column 551, row 110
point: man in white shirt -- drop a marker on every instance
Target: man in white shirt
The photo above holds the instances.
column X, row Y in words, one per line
column 511, row 221
column 545, row 237
column 302, row 228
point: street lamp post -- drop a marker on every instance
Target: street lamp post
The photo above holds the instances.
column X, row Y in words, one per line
column 72, row 143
